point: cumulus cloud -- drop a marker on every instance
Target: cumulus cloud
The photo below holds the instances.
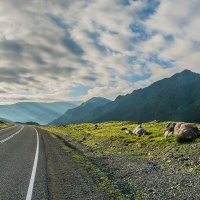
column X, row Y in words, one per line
column 48, row 48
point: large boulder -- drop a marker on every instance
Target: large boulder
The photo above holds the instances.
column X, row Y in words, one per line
column 183, row 131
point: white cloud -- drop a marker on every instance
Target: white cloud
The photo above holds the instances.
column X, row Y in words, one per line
column 115, row 42
column 175, row 16
column 48, row 47
column 176, row 36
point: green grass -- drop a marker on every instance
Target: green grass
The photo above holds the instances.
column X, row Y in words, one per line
column 109, row 138
column 4, row 125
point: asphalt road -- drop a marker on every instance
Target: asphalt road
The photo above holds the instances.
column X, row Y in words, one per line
column 34, row 166
column 18, row 178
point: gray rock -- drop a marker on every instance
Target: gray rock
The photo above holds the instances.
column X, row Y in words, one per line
column 128, row 132
column 139, row 130
column 184, row 131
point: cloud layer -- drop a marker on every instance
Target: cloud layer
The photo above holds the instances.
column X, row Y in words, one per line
column 71, row 50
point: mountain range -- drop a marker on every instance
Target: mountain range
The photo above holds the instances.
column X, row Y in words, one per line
column 83, row 113
column 41, row 113
column 176, row 98
column 171, row 99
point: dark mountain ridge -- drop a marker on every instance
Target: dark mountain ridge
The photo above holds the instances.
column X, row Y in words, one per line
column 176, row 98
column 82, row 113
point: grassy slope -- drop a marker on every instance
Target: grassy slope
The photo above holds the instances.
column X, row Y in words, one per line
column 109, row 138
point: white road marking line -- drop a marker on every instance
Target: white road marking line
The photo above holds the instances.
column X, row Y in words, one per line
column 32, row 180
column 7, row 128
column 8, row 138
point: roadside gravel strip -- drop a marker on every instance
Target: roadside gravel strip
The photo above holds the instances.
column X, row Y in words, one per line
column 66, row 178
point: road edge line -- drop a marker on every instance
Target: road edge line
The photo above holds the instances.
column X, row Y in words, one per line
column 32, row 180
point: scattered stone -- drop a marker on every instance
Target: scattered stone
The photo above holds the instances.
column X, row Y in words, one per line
column 154, row 121
column 139, row 130
column 128, row 132
column 183, row 158
column 151, row 190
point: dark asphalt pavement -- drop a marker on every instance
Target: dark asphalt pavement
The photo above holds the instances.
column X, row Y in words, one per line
column 34, row 166
column 17, row 154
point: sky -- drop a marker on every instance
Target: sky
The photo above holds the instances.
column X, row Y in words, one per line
column 72, row 50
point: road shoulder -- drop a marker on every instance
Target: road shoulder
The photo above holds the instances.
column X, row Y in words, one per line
column 67, row 179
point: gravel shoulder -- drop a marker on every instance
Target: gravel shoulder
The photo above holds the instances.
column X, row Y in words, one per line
column 66, row 178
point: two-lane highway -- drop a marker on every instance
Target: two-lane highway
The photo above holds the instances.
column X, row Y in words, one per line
column 23, row 171
column 35, row 166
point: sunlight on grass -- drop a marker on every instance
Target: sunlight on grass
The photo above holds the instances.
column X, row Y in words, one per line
column 109, row 137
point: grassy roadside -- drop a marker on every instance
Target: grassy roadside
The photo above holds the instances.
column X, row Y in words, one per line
column 4, row 125
column 108, row 138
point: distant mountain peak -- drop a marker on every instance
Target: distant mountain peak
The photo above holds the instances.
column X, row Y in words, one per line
column 82, row 112
column 186, row 72
column 96, row 99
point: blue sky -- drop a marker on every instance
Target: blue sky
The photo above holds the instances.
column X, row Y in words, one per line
column 68, row 50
